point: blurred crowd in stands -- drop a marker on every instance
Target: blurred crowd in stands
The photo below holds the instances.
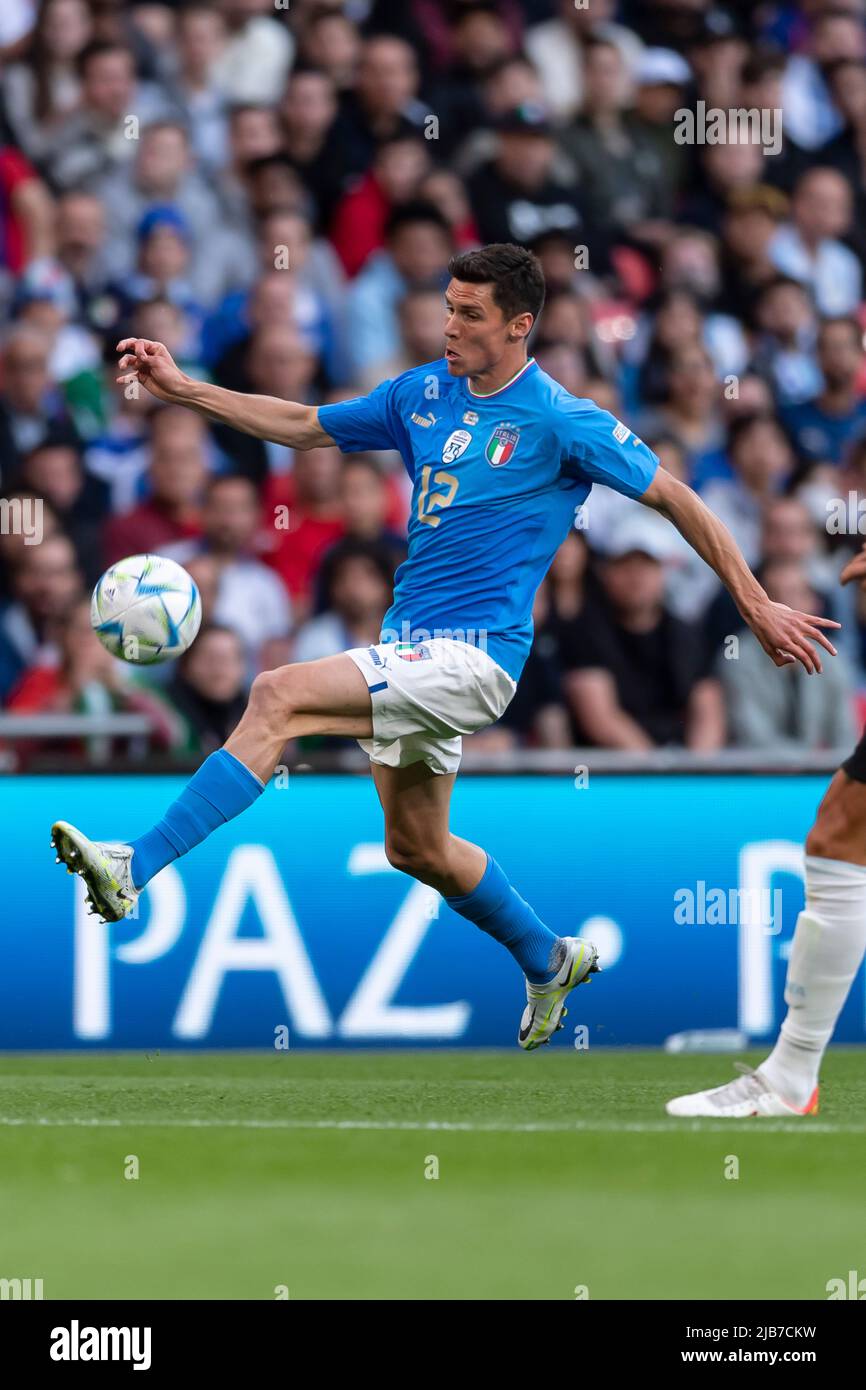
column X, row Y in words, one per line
column 274, row 191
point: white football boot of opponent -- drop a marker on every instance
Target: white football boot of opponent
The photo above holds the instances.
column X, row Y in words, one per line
column 544, row 1007
column 104, row 866
column 750, row 1095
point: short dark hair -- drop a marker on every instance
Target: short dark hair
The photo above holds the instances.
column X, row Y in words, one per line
column 417, row 210
column 350, row 548
column 514, row 273
column 97, row 48
column 744, row 425
column 218, row 480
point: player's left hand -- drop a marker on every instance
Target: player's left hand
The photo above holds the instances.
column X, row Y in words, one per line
column 788, row 636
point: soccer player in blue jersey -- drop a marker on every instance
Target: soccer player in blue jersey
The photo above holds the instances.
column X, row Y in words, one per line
column 500, row 457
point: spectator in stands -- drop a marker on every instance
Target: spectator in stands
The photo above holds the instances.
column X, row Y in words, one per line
column 761, row 462
column 357, row 584
column 54, row 471
column 276, row 362
column 789, row 534
column 30, row 403
column 384, row 96
column 691, row 413
column 195, row 87
column 361, row 216
column 537, row 715
column 117, row 448
column 45, row 300
column 164, row 175
column 751, row 219
column 250, row 599
column 330, row 43
column 87, row 679
column 662, row 77
column 785, row 349
column 45, row 584
column 36, row 521
column 287, row 251
column 307, row 112
column 520, row 192
column 636, row 677
column 418, row 248
column 809, row 113
column 810, row 249
column 209, row 690
column 421, row 320
column 43, row 91
column 95, row 139
column 825, row 427
column 176, row 479
column 257, row 55
column 366, row 505
column 556, row 47
column 788, row 713
column 620, row 170
column 162, row 271
column 26, row 220
column 315, row 522
column 81, row 243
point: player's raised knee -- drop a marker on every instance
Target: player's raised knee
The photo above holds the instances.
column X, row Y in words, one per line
column 272, row 696
column 411, row 856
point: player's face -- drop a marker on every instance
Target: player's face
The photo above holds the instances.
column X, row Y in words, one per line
column 476, row 333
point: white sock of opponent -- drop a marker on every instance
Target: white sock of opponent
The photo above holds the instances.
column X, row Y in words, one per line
column 828, row 946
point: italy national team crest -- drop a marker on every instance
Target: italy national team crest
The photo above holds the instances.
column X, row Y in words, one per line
column 412, row 651
column 501, row 445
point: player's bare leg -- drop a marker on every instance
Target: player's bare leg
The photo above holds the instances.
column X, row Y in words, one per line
column 318, row 697
column 328, row 696
column 418, row 840
column 828, row 946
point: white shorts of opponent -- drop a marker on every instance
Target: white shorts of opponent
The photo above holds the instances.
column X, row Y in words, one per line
column 425, row 696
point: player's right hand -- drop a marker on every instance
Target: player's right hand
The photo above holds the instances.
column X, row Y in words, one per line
column 788, row 635
column 152, row 365
column 856, row 568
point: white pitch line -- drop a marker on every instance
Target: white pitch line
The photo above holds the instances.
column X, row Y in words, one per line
column 448, row 1126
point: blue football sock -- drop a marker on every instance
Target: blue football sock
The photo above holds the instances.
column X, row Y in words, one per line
column 219, row 791
column 498, row 909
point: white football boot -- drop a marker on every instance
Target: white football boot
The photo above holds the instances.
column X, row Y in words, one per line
column 544, row 1003
column 104, row 866
column 749, row 1095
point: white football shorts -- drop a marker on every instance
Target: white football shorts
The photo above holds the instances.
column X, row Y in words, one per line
column 425, row 696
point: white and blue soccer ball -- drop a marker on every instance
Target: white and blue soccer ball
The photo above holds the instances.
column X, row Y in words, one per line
column 146, row 609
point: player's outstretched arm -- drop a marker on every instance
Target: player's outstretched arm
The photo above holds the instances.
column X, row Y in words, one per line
column 785, row 634
column 283, row 422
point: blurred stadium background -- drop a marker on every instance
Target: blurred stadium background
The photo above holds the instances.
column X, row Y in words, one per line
column 274, row 190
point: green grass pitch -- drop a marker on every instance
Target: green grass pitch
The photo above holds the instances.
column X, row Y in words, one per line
column 307, row 1171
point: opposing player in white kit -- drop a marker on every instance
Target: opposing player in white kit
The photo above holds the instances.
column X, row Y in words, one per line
column 827, row 951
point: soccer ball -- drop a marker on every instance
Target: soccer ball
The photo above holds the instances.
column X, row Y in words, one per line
column 146, row 609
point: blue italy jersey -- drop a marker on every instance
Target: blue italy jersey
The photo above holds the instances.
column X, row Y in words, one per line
column 497, row 481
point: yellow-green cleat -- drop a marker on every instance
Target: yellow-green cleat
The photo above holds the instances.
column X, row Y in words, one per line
column 105, row 868
column 545, row 1003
